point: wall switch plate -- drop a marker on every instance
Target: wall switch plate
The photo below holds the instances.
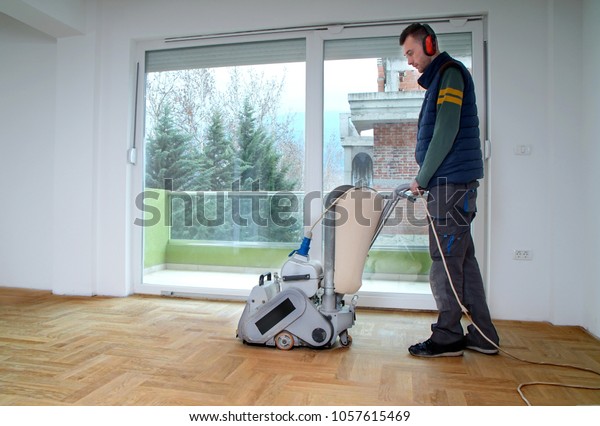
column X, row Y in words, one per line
column 522, row 149
column 522, row 254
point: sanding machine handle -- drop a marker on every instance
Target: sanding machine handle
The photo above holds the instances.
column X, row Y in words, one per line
column 403, row 192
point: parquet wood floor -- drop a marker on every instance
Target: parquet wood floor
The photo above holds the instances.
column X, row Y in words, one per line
column 146, row 350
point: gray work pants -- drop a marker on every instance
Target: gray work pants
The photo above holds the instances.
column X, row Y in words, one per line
column 453, row 208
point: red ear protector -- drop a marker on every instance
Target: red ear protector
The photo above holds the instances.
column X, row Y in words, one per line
column 430, row 41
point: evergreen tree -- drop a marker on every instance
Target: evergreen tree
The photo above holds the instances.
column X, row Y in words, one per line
column 219, row 155
column 218, row 162
column 259, row 159
column 251, row 143
column 261, row 169
column 171, row 160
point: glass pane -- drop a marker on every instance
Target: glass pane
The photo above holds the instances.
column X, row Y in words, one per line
column 371, row 107
column 224, row 154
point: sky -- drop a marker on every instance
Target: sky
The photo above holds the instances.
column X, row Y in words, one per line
column 340, row 78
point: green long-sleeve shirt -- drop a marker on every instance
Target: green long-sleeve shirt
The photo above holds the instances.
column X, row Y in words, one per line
column 447, row 123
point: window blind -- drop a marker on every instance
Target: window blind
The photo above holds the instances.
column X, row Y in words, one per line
column 456, row 44
column 224, row 55
column 360, row 48
column 290, row 50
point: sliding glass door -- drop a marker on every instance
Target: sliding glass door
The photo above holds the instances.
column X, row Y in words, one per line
column 243, row 138
column 371, row 108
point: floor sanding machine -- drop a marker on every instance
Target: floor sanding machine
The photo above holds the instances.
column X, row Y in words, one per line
column 303, row 304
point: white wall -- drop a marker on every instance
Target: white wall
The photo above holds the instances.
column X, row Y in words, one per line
column 585, row 192
column 27, row 105
column 534, row 45
column 535, row 93
column 76, row 169
column 565, row 135
column 519, row 82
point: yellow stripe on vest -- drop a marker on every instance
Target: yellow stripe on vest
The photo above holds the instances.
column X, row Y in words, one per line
column 450, row 95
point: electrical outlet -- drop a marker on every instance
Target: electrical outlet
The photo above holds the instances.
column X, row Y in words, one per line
column 522, row 254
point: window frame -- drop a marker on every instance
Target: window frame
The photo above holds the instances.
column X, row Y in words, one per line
column 313, row 183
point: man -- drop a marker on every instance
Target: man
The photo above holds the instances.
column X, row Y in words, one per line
column 450, row 162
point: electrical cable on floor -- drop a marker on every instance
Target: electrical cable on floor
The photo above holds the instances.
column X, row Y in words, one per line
column 466, row 312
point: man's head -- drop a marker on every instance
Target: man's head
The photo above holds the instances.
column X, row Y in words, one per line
column 419, row 45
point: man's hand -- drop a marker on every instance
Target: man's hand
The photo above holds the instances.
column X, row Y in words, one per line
column 415, row 188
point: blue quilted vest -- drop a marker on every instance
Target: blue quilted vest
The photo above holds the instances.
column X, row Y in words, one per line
column 464, row 162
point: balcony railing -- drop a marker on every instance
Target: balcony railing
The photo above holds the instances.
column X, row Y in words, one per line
column 239, row 230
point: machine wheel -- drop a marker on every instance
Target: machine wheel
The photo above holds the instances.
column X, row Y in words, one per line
column 345, row 338
column 284, row 341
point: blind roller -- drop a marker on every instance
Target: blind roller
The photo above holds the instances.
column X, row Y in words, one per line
column 225, row 55
column 456, row 44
